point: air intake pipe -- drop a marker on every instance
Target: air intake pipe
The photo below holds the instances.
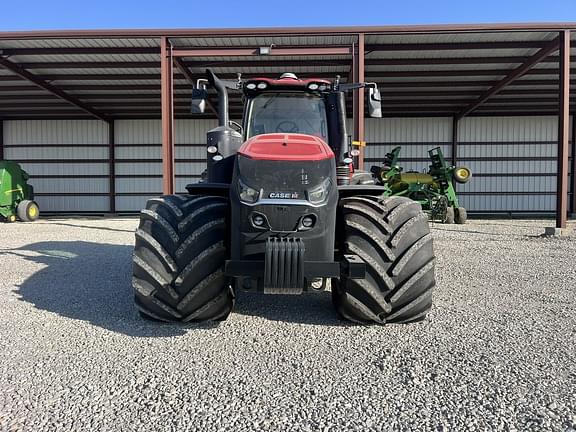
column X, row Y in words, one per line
column 223, row 142
column 343, row 168
column 342, row 126
column 223, row 116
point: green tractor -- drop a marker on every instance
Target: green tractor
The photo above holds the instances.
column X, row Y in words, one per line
column 16, row 195
column 434, row 190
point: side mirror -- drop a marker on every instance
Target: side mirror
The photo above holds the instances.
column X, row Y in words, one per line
column 374, row 102
column 199, row 97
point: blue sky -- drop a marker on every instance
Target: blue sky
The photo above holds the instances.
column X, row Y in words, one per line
column 100, row 14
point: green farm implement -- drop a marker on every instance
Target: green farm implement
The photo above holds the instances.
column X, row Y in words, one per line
column 16, row 195
column 434, row 190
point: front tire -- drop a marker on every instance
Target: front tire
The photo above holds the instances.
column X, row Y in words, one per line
column 449, row 217
column 181, row 247
column 393, row 237
column 461, row 215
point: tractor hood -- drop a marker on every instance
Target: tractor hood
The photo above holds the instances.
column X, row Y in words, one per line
column 286, row 147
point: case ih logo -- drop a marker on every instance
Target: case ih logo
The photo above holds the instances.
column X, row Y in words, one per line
column 284, row 195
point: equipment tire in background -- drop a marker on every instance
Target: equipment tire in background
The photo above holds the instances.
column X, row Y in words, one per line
column 461, row 215
column 27, row 211
column 181, row 247
column 462, row 175
column 392, row 236
column 449, row 217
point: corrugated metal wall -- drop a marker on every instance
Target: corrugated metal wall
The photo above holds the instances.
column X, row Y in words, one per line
column 513, row 158
column 67, row 159
column 139, row 158
column 415, row 135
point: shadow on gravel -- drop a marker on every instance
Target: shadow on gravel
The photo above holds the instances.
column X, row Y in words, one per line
column 444, row 228
column 91, row 227
column 92, row 282
column 89, row 282
column 309, row 308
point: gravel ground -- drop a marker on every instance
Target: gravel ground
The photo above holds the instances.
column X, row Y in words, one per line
column 496, row 353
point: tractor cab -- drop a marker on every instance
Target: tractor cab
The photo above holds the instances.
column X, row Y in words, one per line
column 286, row 105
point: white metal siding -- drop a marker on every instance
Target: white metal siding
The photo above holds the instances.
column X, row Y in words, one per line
column 415, row 135
column 493, row 147
column 139, row 158
column 55, row 132
column 503, row 153
column 56, row 153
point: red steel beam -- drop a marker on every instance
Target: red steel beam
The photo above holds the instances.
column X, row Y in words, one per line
column 446, row 86
column 167, row 109
column 515, row 74
column 226, row 52
column 573, row 201
column 78, row 51
column 287, row 63
column 184, row 70
column 563, row 130
column 154, row 93
column 1, row 139
column 23, row 73
column 451, row 46
column 358, row 104
column 227, row 32
column 371, row 73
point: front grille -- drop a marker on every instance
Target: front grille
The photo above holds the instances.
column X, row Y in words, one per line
column 284, row 265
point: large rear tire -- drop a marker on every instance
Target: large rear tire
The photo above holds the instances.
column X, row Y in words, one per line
column 393, row 237
column 181, row 247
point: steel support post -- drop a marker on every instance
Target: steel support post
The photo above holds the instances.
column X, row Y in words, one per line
column 1, row 139
column 111, row 167
column 454, row 140
column 358, row 99
column 573, row 170
column 167, row 96
column 563, row 129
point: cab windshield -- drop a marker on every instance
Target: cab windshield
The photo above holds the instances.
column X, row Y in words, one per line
column 287, row 113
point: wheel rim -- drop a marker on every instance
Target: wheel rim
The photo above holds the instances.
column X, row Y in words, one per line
column 32, row 211
column 463, row 173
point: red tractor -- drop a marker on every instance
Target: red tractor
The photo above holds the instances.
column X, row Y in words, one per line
column 281, row 211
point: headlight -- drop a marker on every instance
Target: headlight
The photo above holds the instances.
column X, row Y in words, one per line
column 251, row 86
column 313, row 86
column 262, row 85
column 320, row 193
column 247, row 194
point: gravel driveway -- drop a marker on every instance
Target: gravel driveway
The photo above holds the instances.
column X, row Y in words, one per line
column 498, row 351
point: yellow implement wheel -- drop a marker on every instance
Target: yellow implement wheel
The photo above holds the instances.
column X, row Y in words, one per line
column 33, row 212
column 28, row 211
column 462, row 174
column 11, row 218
